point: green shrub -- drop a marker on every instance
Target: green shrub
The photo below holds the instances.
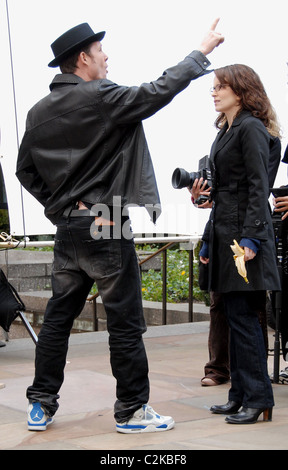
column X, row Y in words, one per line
column 177, row 280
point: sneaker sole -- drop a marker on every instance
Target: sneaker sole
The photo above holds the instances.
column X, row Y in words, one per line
column 133, row 429
column 39, row 427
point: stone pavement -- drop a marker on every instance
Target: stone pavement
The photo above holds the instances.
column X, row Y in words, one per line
column 177, row 354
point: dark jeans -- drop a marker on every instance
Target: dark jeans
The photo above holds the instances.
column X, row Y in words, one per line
column 218, row 366
column 112, row 263
column 250, row 383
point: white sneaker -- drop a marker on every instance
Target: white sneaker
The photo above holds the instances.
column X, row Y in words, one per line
column 146, row 420
column 37, row 418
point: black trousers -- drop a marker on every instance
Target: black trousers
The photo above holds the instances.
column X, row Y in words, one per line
column 250, row 383
column 112, row 263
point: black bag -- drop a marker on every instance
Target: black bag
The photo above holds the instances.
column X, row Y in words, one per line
column 10, row 303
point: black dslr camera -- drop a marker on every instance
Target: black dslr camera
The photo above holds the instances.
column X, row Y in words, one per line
column 182, row 179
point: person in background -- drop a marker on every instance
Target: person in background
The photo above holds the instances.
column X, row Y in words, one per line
column 84, row 156
column 281, row 202
column 280, row 216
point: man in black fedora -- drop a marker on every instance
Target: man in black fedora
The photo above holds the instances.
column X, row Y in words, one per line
column 84, row 156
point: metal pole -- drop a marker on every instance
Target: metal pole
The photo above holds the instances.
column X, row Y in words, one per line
column 28, row 327
column 191, row 278
column 164, row 288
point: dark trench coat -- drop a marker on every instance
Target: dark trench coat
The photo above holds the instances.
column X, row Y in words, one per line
column 239, row 162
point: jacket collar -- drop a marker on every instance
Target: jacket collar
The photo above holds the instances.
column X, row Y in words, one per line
column 223, row 136
column 243, row 115
column 65, row 79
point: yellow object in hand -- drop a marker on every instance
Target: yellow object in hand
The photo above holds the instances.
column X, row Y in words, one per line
column 239, row 260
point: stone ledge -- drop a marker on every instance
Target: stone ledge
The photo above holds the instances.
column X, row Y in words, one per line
column 29, row 270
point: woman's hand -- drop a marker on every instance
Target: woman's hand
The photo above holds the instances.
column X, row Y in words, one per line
column 281, row 205
column 248, row 254
column 204, row 260
column 198, row 189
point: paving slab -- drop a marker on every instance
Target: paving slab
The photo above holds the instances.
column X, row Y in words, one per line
column 177, row 355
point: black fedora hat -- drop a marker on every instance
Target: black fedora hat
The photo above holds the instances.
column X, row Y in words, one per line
column 73, row 40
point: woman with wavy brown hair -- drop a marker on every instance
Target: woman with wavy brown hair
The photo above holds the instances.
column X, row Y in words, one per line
column 239, row 162
column 246, row 84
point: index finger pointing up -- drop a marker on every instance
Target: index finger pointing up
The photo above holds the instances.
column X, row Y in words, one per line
column 214, row 24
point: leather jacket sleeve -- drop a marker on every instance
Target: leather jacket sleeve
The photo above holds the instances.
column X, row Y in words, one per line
column 133, row 104
column 87, row 139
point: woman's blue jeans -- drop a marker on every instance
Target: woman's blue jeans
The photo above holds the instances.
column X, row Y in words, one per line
column 250, row 383
column 79, row 260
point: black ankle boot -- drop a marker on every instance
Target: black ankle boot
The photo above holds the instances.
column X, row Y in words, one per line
column 250, row 416
column 229, row 408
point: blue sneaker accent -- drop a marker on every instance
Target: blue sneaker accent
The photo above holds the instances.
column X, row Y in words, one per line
column 146, row 420
column 37, row 418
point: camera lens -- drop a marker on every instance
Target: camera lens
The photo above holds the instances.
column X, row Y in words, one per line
column 180, row 178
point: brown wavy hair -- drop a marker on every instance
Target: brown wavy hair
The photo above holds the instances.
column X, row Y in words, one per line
column 246, row 84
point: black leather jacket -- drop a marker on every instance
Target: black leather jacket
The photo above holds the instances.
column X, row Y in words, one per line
column 85, row 140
